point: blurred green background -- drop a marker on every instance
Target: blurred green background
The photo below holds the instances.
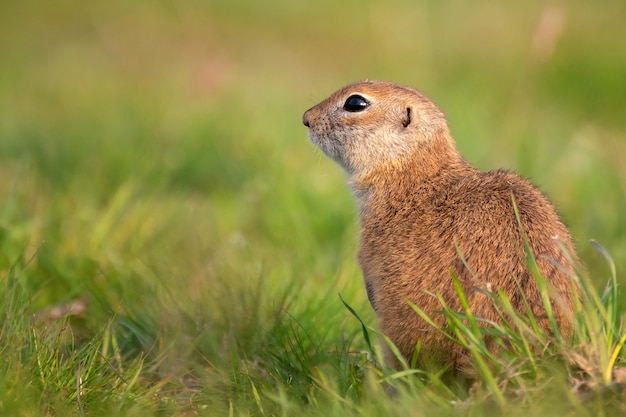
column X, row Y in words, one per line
column 153, row 160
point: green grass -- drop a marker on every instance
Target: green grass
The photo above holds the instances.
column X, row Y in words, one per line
column 155, row 176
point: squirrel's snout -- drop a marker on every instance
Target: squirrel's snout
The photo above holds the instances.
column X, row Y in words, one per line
column 305, row 118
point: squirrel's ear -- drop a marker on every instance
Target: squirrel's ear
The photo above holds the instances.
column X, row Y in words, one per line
column 408, row 116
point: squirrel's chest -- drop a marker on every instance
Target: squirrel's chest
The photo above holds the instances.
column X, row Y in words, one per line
column 405, row 240
column 398, row 227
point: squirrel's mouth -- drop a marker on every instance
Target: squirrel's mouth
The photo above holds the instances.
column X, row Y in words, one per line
column 318, row 142
column 331, row 148
column 313, row 138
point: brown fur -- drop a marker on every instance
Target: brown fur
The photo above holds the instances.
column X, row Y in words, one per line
column 418, row 199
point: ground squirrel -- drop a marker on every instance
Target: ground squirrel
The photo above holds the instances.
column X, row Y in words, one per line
column 421, row 205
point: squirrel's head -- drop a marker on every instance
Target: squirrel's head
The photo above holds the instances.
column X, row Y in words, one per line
column 371, row 123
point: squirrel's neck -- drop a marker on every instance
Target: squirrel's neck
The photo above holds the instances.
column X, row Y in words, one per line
column 437, row 159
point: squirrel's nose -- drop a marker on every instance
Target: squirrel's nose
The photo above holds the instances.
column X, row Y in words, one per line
column 305, row 118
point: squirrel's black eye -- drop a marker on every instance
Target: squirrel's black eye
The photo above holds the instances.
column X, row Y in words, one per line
column 355, row 103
